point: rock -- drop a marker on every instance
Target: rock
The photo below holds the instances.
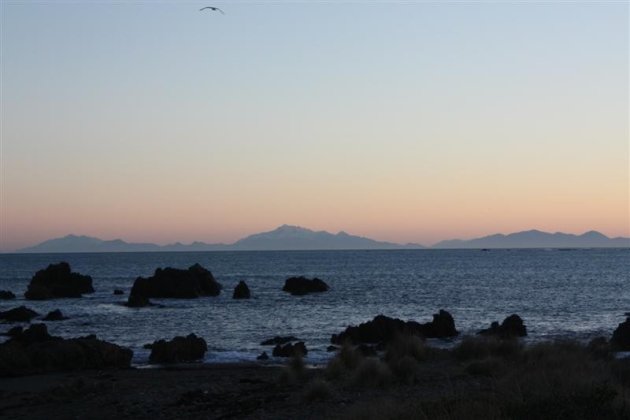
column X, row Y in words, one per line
column 511, row 327
column 442, row 326
column 118, row 292
column 241, row 291
column 55, row 315
column 290, row 350
column 599, row 348
column 279, row 340
column 383, row 329
column 170, row 282
column 621, row 336
column 19, row 314
column 35, row 351
column 298, row 286
column 263, row 356
column 13, row 332
column 330, row 349
column 137, row 301
column 57, row 281
column 6, row 295
column 148, row 346
column 179, row 349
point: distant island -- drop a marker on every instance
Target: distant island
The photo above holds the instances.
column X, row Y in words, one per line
column 288, row 237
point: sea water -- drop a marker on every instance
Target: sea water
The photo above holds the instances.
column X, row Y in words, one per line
column 576, row 294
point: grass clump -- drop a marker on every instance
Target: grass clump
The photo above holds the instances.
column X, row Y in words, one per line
column 318, row 390
column 472, row 348
column 372, row 373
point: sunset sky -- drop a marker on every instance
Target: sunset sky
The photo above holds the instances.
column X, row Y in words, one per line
column 400, row 121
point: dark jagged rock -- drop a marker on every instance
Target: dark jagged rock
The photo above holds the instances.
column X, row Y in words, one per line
column 383, row 329
column 148, row 346
column 330, row 349
column 55, row 315
column 263, row 356
column 6, row 295
column 118, row 292
column 13, row 332
column 279, row 340
column 179, row 349
column 137, row 301
column 170, row 282
column 621, row 336
column 290, row 350
column 301, row 286
column 19, row 314
column 442, row 326
column 241, row 291
column 58, row 281
column 511, row 327
column 35, row 351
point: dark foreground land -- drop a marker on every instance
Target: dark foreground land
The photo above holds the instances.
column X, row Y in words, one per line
column 482, row 378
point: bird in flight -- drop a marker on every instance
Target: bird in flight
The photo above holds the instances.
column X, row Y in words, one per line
column 214, row 9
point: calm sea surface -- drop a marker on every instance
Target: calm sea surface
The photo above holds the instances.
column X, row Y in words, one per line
column 559, row 293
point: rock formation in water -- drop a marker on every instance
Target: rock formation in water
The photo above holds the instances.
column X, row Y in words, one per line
column 6, row 295
column 279, row 340
column 35, row 351
column 383, row 329
column 170, row 282
column 511, row 327
column 58, row 281
column 55, row 315
column 179, row 349
column 241, row 291
column 290, row 350
column 301, row 286
column 19, row 314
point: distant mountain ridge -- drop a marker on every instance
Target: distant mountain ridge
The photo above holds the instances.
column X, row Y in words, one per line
column 284, row 237
column 288, row 237
column 538, row 239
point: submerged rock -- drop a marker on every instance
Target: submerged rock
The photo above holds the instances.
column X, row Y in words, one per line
column 299, row 286
column 55, row 315
column 58, row 281
column 118, row 292
column 511, row 327
column 241, row 291
column 6, row 295
column 263, row 356
column 279, row 340
column 35, row 351
column 179, row 349
column 170, row 282
column 290, row 350
column 383, row 329
column 19, row 314
column 621, row 336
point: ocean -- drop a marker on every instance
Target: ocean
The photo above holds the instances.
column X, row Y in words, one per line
column 576, row 294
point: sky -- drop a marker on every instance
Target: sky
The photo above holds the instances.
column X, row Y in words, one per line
column 400, row 121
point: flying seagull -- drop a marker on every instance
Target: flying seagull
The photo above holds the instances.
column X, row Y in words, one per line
column 214, row 9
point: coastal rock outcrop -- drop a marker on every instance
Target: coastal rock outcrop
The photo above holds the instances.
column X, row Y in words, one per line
column 118, row 292
column 290, row 350
column 383, row 329
column 55, row 315
column 35, row 351
column 263, row 356
column 6, row 295
column 511, row 327
column 299, row 286
column 170, row 282
column 179, row 349
column 279, row 340
column 58, row 281
column 621, row 336
column 241, row 291
column 19, row 314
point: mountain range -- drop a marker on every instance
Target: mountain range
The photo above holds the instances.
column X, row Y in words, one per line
column 288, row 237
